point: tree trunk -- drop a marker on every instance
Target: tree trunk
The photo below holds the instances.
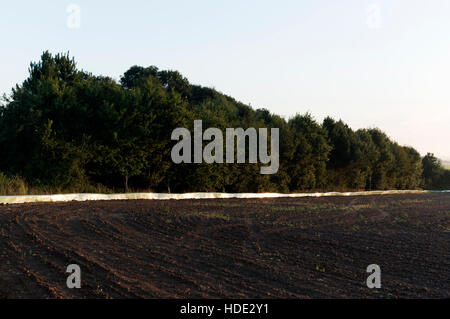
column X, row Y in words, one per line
column 125, row 184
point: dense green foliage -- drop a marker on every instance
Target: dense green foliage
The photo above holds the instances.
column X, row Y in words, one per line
column 435, row 176
column 69, row 130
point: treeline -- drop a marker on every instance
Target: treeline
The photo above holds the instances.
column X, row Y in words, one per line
column 65, row 129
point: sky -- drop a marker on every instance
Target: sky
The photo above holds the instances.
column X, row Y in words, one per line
column 378, row 63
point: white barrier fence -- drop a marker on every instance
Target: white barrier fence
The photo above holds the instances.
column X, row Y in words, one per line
column 165, row 196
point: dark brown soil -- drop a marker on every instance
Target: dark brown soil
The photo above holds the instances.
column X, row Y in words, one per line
column 233, row 248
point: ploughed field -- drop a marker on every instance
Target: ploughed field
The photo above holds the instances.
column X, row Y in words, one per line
column 234, row 248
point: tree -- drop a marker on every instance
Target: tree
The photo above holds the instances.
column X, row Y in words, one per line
column 35, row 128
column 311, row 150
column 432, row 171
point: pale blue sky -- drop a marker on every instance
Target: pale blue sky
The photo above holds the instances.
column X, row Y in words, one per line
column 328, row 57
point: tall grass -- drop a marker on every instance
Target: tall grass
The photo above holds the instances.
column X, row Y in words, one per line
column 13, row 185
column 16, row 185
